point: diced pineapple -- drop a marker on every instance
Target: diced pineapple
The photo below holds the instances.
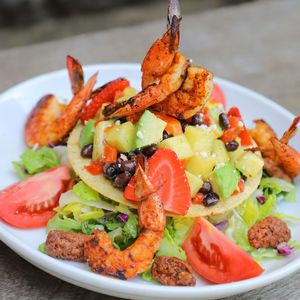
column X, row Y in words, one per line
column 195, row 183
column 249, row 164
column 200, row 139
column 235, row 155
column 99, row 139
column 201, row 165
column 121, row 136
column 220, row 152
column 179, row 145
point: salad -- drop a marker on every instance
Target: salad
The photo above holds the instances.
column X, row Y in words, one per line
column 164, row 183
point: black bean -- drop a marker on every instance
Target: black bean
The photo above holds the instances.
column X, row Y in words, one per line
column 122, row 120
column 245, row 178
column 128, row 165
column 87, row 151
column 166, row 135
column 184, row 124
column 197, row 119
column 110, row 171
column 224, row 122
column 131, row 154
column 211, row 199
column 231, row 146
column 206, row 188
column 122, row 180
column 149, row 150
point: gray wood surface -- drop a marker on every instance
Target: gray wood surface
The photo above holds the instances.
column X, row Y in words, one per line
column 256, row 44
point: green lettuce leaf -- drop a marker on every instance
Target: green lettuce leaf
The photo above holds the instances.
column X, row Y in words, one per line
column 61, row 222
column 84, row 192
column 168, row 247
column 42, row 248
column 182, row 227
column 273, row 185
column 36, row 161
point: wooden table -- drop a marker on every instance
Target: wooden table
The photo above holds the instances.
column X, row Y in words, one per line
column 255, row 44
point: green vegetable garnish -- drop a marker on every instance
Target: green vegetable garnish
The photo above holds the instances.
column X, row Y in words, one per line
column 87, row 133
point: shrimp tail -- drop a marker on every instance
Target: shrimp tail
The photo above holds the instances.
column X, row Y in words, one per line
column 76, row 74
column 173, row 23
column 291, row 132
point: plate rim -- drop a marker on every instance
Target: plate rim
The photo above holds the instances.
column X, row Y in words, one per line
column 104, row 284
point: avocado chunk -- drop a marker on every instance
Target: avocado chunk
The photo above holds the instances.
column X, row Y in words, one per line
column 87, row 133
column 179, row 145
column 225, row 180
column 149, row 130
column 121, row 136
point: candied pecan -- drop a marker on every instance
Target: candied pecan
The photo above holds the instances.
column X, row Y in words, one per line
column 268, row 232
column 172, row 271
column 65, row 245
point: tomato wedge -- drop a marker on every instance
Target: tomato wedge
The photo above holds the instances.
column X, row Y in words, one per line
column 30, row 202
column 218, row 95
column 167, row 175
column 216, row 258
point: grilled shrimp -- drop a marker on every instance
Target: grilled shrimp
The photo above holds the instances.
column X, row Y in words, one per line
column 278, row 150
column 50, row 121
column 191, row 97
column 104, row 259
column 160, row 56
column 153, row 93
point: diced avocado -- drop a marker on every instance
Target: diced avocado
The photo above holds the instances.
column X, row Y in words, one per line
column 179, row 145
column 235, row 155
column 195, row 183
column 200, row 139
column 127, row 93
column 149, row 130
column 201, row 165
column 99, row 139
column 225, row 180
column 249, row 164
column 220, row 152
column 87, row 133
column 121, row 136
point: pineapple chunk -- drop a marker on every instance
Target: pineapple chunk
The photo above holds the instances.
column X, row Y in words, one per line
column 249, row 164
column 121, row 136
column 195, row 183
column 200, row 139
column 220, row 152
column 99, row 139
column 179, row 145
column 201, row 165
column 235, row 155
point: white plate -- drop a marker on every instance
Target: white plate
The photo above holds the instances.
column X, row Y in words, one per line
column 16, row 103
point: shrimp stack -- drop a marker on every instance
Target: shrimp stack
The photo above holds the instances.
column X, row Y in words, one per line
column 170, row 83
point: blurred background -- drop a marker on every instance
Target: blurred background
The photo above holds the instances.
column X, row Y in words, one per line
column 24, row 22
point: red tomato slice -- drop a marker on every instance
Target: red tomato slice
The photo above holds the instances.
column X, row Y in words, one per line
column 218, row 95
column 30, row 202
column 216, row 258
column 167, row 174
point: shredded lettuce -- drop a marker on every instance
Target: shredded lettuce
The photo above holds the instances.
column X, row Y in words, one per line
column 61, row 222
column 84, row 192
column 42, row 248
column 88, row 226
column 36, row 161
column 148, row 276
column 276, row 186
column 182, row 227
column 250, row 212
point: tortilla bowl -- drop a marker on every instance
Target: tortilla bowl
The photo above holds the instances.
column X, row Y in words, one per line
column 103, row 186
